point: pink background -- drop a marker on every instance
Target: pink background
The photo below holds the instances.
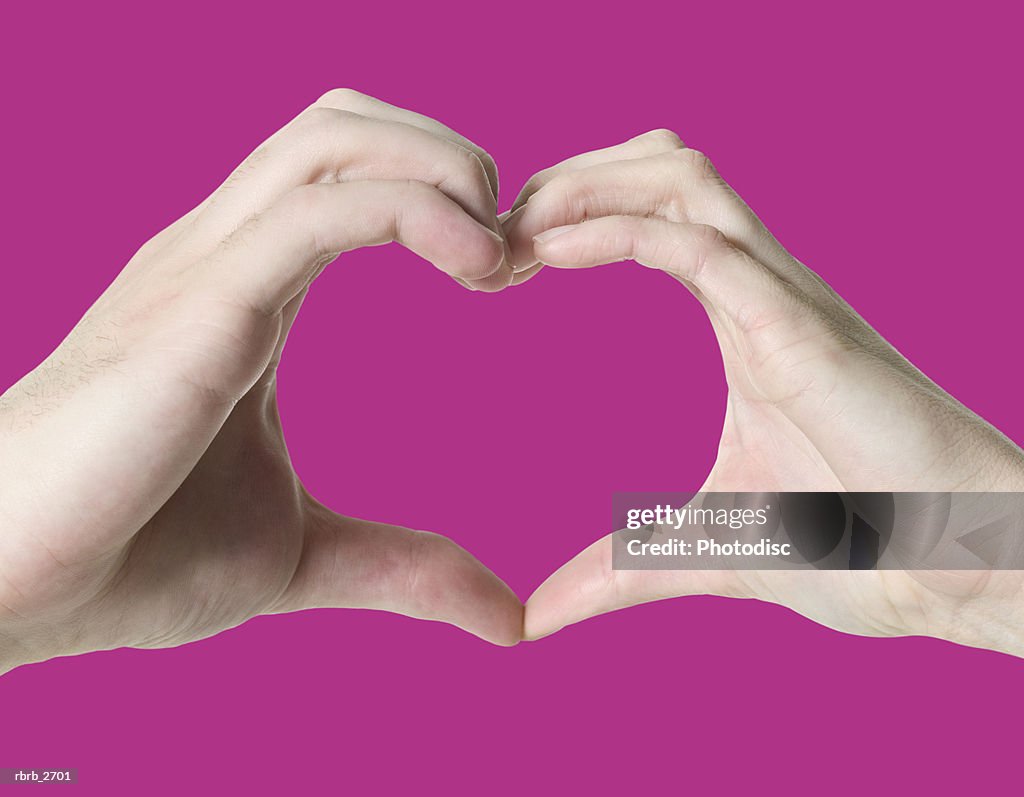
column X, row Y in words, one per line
column 881, row 145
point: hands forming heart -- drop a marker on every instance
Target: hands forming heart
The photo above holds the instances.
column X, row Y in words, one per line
column 167, row 387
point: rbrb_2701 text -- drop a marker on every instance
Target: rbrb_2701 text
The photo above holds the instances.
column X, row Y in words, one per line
column 42, row 776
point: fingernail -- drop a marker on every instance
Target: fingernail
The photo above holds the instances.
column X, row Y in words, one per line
column 554, row 232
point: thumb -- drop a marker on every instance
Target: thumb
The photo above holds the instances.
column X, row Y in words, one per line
column 358, row 564
column 587, row 585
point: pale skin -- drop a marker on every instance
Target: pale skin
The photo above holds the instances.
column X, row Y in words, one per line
column 147, row 498
column 818, row 401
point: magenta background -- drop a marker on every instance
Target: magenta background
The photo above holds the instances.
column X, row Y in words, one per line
column 882, row 145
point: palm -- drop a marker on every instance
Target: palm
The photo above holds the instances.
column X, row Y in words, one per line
column 226, row 544
column 821, row 410
column 763, row 451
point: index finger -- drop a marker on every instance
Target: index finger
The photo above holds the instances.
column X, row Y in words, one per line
column 357, row 102
column 653, row 142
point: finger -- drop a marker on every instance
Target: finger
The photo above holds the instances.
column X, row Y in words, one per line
column 588, row 585
column 332, row 145
column 356, row 102
column 351, row 100
column 275, row 255
column 494, row 283
column 679, row 186
column 645, row 145
column 349, row 563
column 798, row 357
column 654, row 142
column 740, row 288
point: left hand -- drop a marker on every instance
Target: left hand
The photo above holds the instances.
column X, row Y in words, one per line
column 818, row 401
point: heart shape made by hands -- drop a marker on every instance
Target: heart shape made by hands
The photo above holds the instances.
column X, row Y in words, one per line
column 168, row 389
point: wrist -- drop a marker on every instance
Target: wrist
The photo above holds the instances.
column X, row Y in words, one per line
column 12, row 653
column 992, row 619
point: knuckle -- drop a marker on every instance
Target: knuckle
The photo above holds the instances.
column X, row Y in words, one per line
column 430, row 201
column 310, row 132
column 568, row 190
column 698, row 165
column 624, row 235
column 709, row 238
column 417, row 190
column 321, row 114
column 663, row 138
column 634, row 226
column 320, row 118
column 708, row 241
column 341, row 98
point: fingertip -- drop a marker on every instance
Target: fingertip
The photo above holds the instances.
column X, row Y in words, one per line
column 585, row 586
column 495, row 282
column 506, row 640
column 502, row 643
column 544, row 616
column 548, row 236
column 505, row 627
column 456, row 587
column 480, row 259
column 533, row 634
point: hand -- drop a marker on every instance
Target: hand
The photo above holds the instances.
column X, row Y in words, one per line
column 818, row 401
column 146, row 494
